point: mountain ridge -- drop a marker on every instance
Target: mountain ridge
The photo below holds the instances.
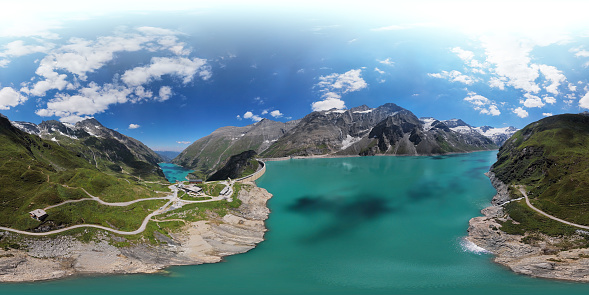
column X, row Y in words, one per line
column 339, row 133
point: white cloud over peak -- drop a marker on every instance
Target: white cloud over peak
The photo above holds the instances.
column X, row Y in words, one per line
column 483, row 104
column 520, row 112
column 328, row 104
column 65, row 70
column 79, row 57
column 183, row 142
column 546, row 114
column 88, row 101
column 349, row 81
column 553, row 75
column 532, row 101
column 134, row 126
column 584, row 101
column 335, row 85
column 10, row 98
column 276, row 114
column 251, row 116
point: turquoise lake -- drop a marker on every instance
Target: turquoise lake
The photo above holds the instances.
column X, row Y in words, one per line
column 174, row 172
column 370, row 225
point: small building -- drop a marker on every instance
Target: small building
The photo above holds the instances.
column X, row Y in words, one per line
column 192, row 189
column 193, row 180
column 39, row 214
column 224, row 191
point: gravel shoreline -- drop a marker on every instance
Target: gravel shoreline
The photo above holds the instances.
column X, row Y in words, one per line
column 541, row 259
column 198, row 242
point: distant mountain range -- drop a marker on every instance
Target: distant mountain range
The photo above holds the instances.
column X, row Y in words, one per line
column 388, row 130
column 167, row 156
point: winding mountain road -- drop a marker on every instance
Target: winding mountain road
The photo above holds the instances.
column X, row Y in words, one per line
column 523, row 191
column 173, row 198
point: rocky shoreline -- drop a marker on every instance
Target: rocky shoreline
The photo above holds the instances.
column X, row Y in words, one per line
column 198, row 242
column 541, row 258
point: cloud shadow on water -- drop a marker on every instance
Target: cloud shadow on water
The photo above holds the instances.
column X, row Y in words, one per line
column 345, row 214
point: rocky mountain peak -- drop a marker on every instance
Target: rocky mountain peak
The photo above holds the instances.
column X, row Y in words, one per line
column 361, row 108
column 452, row 123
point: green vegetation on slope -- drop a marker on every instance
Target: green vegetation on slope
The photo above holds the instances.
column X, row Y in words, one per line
column 550, row 157
column 36, row 173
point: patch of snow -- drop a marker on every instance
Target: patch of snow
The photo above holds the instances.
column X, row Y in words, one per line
column 67, row 135
column 462, row 129
column 496, row 131
column 427, row 123
column 349, row 141
column 69, row 125
column 243, row 134
column 53, row 139
column 363, row 112
column 336, row 111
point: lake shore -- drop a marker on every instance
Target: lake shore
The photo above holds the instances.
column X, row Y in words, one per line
column 205, row 241
column 333, row 156
column 540, row 259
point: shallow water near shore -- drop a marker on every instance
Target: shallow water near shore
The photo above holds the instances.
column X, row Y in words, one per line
column 371, row 225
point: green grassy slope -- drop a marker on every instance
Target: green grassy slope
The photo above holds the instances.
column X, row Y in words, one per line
column 36, row 173
column 551, row 157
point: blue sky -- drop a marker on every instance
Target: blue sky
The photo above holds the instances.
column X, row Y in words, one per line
column 168, row 73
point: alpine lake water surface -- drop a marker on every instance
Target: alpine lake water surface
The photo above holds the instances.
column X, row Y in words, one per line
column 366, row 225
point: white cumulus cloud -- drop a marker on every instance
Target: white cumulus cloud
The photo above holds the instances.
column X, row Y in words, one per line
column 165, row 93
column 10, row 98
column 584, row 101
column 520, row 112
column 134, row 126
column 453, row 76
column 176, row 66
column 483, row 104
column 328, row 104
column 333, row 86
column 468, row 57
column 251, row 116
column 388, row 61
column 183, row 142
column 276, row 114
column 546, row 114
column 532, row 101
column 88, row 101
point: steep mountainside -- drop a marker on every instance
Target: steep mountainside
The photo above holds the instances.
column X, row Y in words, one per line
column 208, row 153
column 498, row 135
column 388, row 129
column 106, row 149
column 36, row 173
column 237, row 166
column 551, row 157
